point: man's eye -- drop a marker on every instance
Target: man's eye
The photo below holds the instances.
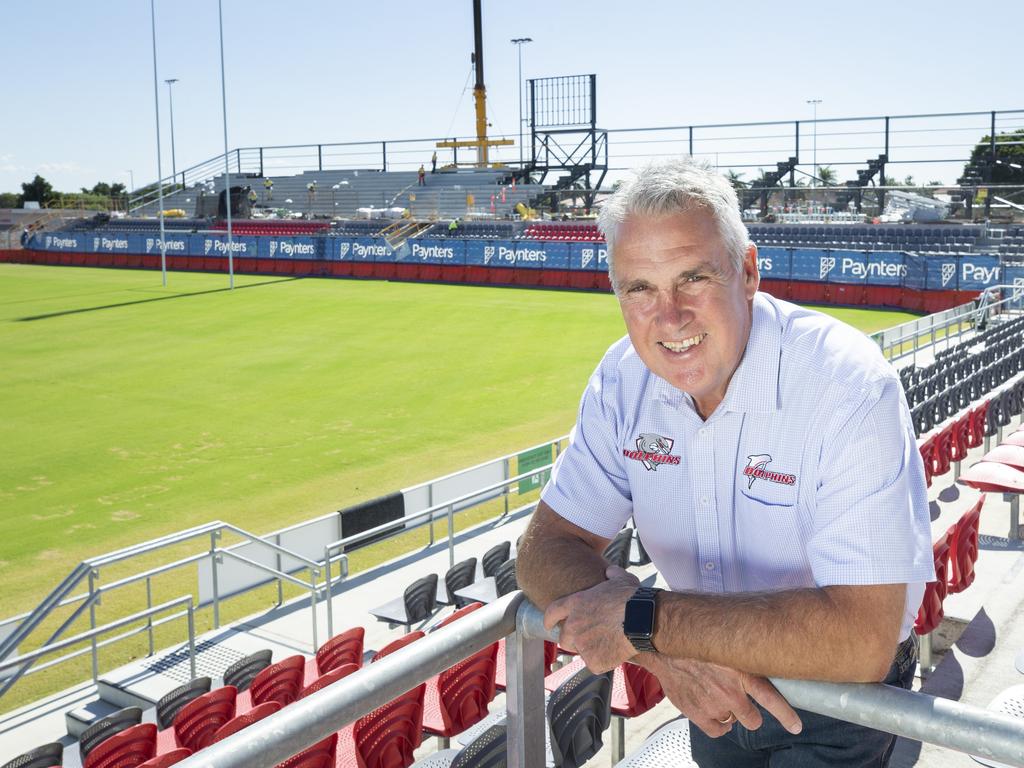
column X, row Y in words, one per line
column 637, row 289
column 695, row 278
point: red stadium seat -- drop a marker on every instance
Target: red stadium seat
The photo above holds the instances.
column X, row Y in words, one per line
column 385, row 738
column 963, row 549
column 280, row 682
column 927, row 450
column 131, row 746
column 978, row 417
column 460, row 696
column 239, row 722
column 167, row 759
column 943, row 451
column 395, row 645
column 327, row 678
column 930, row 614
column 961, row 437
column 320, row 755
column 197, row 722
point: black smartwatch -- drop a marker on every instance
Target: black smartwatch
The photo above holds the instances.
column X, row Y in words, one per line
column 638, row 621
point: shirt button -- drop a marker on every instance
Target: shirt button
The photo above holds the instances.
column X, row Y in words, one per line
column 704, row 500
column 703, row 432
column 709, row 566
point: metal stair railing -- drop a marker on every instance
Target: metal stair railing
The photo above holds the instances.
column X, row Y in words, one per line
column 90, row 570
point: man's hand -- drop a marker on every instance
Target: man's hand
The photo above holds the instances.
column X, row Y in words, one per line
column 592, row 621
column 709, row 694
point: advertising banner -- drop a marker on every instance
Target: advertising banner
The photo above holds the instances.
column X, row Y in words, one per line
column 110, row 242
column 811, row 264
column 339, row 249
column 916, row 273
column 1015, row 276
column 63, row 241
column 289, row 247
column 480, row 253
column 370, row 249
column 589, row 257
column 217, row 245
column 530, row 254
column 425, row 251
column 174, row 245
column 886, row 268
column 941, row 273
column 978, row 272
column 773, row 263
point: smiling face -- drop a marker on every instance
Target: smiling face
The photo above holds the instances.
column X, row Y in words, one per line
column 686, row 306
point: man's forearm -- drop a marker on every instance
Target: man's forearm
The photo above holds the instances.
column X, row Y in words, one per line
column 832, row 633
column 552, row 562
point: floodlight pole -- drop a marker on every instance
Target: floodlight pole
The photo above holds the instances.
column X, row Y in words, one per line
column 159, row 169
column 518, row 42
column 227, row 170
column 814, row 176
column 170, row 99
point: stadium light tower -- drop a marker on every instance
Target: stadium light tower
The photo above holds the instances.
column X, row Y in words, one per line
column 518, row 43
column 227, row 170
column 814, row 103
column 131, row 179
column 159, row 166
column 170, row 97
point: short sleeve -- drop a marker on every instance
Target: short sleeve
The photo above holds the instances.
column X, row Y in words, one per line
column 872, row 524
column 588, row 485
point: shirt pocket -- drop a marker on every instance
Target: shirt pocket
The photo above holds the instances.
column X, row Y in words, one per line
column 770, row 537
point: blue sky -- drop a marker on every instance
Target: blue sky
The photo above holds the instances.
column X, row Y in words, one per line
column 78, row 84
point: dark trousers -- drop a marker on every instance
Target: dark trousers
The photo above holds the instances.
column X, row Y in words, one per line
column 824, row 741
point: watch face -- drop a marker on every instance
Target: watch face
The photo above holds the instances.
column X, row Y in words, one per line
column 639, row 618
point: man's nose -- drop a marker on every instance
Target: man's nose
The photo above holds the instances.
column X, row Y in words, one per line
column 673, row 309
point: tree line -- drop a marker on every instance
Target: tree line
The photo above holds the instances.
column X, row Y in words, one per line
column 101, row 196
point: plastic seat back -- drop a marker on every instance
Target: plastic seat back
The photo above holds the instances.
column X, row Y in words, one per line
column 617, row 551
column 456, row 615
column 320, row 755
column 495, row 556
column 963, row 550
column 419, row 598
column 943, row 450
column 129, row 747
column 927, row 450
column 279, row 682
column 488, row 750
column 200, row 718
column 929, row 616
column 326, row 679
column 243, row 672
column 467, row 688
column 167, row 759
column 344, row 648
column 106, row 727
column 505, row 578
column 170, row 705
column 961, row 438
column 395, row 645
column 578, row 714
column 634, row 690
column 43, row 756
column 388, row 736
column 237, row 723
column 458, row 576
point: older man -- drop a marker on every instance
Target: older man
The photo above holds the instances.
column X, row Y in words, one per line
column 766, row 455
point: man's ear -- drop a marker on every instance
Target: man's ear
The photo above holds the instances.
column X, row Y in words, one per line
column 751, row 274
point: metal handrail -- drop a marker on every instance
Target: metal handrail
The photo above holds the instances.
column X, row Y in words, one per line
column 25, row 661
column 337, row 547
column 969, row 311
column 918, row 716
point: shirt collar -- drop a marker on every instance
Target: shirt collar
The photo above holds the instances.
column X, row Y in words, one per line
column 755, row 385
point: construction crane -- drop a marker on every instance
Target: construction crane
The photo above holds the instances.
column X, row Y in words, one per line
column 482, row 144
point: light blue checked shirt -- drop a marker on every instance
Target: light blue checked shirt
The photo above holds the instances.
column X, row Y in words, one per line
column 807, row 474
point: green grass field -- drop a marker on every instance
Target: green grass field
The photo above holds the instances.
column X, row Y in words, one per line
column 131, row 410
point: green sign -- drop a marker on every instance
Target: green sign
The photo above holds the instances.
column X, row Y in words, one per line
column 534, row 459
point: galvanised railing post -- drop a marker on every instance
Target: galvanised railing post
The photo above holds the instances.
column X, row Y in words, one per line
column 430, row 503
column 149, row 620
column 93, row 576
column 312, row 604
column 384, row 155
column 451, row 535
column 192, row 639
column 277, row 563
column 214, row 535
column 524, row 697
column 505, row 490
column 327, row 592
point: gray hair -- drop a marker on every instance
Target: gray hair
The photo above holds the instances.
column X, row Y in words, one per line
column 676, row 185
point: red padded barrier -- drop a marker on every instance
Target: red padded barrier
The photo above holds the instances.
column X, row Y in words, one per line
column 265, row 266
column 363, row 269
column 430, row 272
column 407, row 271
column 286, row 267
column 340, row 268
column 848, row 294
column 195, row 263
column 452, row 273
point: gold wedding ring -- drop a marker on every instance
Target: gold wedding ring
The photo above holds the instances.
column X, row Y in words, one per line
column 730, row 719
